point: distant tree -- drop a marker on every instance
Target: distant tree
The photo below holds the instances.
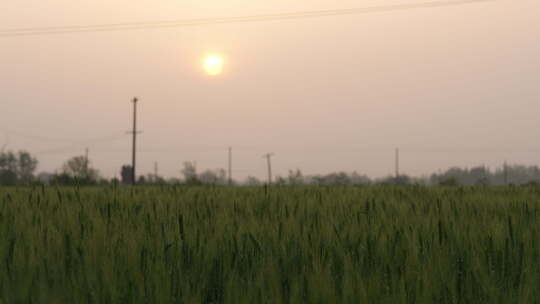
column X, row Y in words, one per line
column 190, row 173
column 482, row 176
column 115, row 181
column 295, row 177
column 8, row 178
column 279, row 180
column 26, row 166
column 45, row 177
column 8, row 168
column 357, row 179
column 8, row 161
column 79, row 168
column 403, row 180
column 532, row 184
column 213, row 177
column 387, row 181
column 449, row 181
column 339, row 178
column 173, row 181
column 483, row 181
column 142, row 180
column 153, row 179
column 17, row 167
column 64, row 179
column 252, row 181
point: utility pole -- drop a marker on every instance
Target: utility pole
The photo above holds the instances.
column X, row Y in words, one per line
column 505, row 173
column 397, row 163
column 269, row 163
column 5, row 144
column 230, row 167
column 134, row 132
column 156, row 170
column 86, row 151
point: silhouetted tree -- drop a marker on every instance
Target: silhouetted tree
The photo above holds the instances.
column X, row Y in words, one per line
column 481, row 176
column 45, row 177
column 8, row 168
column 26, row 167
column 213, row 177
column 279, row 180
column 449, row 181
column 17, row 168
column 153, row 179
column 295, row 177
column 190, row 173
column 115, row 181
column 8, row 178
column 403, row 180
column 252, row 181
column 339, row 178
column 359, row 180
column 79, row 169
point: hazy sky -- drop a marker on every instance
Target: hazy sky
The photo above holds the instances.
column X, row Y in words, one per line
column 449, row 86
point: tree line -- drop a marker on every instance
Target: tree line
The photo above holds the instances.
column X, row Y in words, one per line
column 19, row 168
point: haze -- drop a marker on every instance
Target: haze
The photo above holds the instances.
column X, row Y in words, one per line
column 451, row 86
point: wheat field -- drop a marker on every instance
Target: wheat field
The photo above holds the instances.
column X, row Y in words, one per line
column 178, row 244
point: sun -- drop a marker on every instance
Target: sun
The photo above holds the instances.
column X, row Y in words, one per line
column 213, row 65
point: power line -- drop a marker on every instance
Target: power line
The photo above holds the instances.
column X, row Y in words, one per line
column 77, row 147
column 65, row 140
column 37, row 31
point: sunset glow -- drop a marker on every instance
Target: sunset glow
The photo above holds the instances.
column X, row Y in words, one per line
column 213, row 65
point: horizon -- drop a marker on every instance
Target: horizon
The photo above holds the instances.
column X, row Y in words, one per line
column 449, row 86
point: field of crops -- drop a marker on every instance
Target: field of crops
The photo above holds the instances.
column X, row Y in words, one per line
column 282, row 245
